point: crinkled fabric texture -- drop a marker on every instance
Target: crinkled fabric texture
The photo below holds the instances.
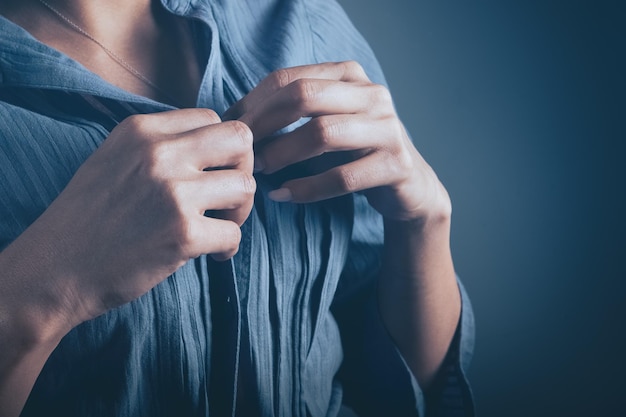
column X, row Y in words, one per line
column 292, row 318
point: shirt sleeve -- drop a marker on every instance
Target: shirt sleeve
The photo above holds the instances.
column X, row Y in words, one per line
column 375, row 379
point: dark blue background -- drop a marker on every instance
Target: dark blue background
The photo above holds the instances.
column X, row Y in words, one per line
column 520, row 107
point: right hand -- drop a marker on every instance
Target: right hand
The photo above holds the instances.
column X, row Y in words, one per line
column 135, row 210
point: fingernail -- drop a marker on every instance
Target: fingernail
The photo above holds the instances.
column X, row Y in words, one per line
column 258, row 164
column 281, row 195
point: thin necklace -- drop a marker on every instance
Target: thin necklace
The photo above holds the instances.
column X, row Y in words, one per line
column 115, row 57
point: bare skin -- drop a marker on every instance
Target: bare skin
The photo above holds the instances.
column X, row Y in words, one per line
column 418, row 295
column 155, row 43
column 419, row 299
column 129, row 183
column 150, row 171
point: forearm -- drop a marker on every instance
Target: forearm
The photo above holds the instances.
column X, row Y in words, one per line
column 419, row 298
column 30, row 324
column 19, row 370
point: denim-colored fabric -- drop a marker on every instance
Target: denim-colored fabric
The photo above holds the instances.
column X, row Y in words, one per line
column 292, row 318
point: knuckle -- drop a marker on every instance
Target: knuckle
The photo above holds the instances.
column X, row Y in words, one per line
column 324, row 132
column 247, row 183
column 280, row 78
column 242, row 132
column 158, row 155
column 398, row 165
column 354, row 69
column 211, row 115
column 303, row 91
column 231, row 236
column 381, row 94
column 136, row 124
column 348, row 180
column 177, row 191
column 169, row 194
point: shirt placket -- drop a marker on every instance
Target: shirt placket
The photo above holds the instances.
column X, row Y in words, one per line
column 225, row 338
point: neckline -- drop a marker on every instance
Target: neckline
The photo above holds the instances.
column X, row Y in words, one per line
column 26, row 62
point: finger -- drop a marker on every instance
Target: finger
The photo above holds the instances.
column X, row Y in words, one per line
column 313, row 98
column 373, row 170
column 348, row 71
column 226, row 194
column 222, row 145
column 217, row 190
column 173, row 121
column 217, row 237
column 323, row 134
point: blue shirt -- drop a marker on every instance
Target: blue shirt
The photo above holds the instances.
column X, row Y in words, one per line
column 292, row 318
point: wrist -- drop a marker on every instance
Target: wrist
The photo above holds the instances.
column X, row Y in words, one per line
column 27, row 328
column 415, row 247
column 30, row 324
column 425, row 203
column 33, row 311
column 427, row 223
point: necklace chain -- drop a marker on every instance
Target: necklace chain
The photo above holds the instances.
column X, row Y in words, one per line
column 115, row 57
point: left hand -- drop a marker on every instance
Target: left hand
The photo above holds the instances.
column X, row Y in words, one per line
column 351, row 115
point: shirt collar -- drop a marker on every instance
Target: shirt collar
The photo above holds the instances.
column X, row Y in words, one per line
column 27, row 63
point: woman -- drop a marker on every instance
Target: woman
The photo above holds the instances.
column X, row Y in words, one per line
column 161, row 260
